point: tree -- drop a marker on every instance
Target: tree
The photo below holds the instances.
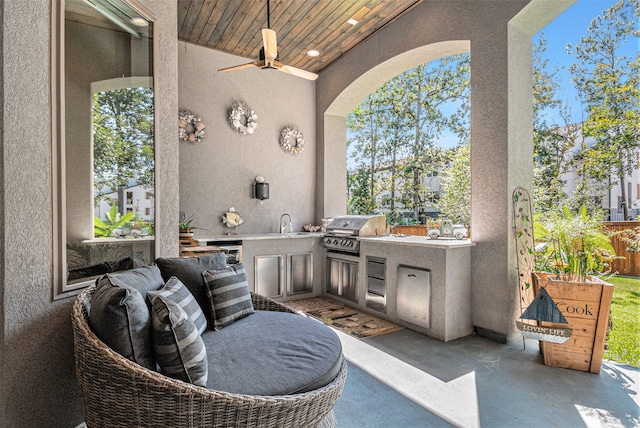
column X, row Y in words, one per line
column 608, row 83
column 552, row 142
column 431, row 90
column 359, row 200
column 455, row 203
column 396, row 129
column 366, row 123
column 123, row 141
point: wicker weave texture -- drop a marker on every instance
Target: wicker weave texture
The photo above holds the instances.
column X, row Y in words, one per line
column 116, row 392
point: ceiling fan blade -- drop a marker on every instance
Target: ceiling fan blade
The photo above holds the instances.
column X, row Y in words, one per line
column 238, row 67
column 270, row 45
column 298, row 72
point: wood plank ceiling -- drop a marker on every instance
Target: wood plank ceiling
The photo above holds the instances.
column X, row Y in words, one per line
column 233, row 26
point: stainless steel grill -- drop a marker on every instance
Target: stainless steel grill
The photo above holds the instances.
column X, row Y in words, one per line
column 342, row 233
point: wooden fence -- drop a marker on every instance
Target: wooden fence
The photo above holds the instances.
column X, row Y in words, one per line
column 630, row 264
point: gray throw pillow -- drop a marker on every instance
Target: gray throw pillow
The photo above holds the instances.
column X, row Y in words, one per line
column 229, row 294
column 176, row 291
column 143, row 279
column 178, row 346
column 120, row 318
column 189, row 271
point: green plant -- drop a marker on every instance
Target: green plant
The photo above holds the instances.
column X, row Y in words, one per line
column 103, row 229
column 631, row 237
column 574, row 246
column 187, row 224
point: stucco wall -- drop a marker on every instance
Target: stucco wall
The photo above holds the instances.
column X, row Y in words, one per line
column 219, row 172
column 501, row 124
column 38, row 381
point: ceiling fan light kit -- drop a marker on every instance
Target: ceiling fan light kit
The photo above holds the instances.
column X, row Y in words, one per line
column 269, row 54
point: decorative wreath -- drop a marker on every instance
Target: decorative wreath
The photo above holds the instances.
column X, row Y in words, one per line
column 242, row 119
column 292, row 140
column 190, row 127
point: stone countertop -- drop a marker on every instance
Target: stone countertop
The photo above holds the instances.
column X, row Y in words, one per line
column 258, row 236
column 419, row 240
column 391, row 239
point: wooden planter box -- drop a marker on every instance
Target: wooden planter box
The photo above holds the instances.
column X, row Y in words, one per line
column 418, row 229
column 586, row 307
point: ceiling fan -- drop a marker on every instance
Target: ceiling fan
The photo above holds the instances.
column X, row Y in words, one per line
column 269, row 56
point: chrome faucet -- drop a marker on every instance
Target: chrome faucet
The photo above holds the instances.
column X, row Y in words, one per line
column 283, row 223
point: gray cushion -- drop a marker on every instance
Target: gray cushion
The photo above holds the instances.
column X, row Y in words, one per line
column 177, row 343
column 120, row 318
column 143, row 279
column 176, row 291
column 272, row 353
column 189, row 271
column 229, row 294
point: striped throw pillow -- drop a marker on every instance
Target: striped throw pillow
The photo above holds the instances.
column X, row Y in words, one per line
column 177, row 292
column 228, row 294
column 179, row 349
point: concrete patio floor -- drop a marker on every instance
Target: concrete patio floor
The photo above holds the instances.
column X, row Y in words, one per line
column 406, row 379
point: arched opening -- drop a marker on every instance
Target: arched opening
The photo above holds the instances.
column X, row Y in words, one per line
column 501, row 127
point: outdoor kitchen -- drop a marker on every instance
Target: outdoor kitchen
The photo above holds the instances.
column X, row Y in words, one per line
column 415, row 281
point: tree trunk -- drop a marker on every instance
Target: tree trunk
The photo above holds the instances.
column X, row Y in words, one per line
column 623, row 192
column 121, row 201
column 416, row 157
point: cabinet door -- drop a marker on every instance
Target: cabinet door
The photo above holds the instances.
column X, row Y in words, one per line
column 299, row 273
column 414, row 295
column 268, row 275
column 349, row 281
column 333, row 276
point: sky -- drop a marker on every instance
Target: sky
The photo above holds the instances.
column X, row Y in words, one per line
column 568, row 28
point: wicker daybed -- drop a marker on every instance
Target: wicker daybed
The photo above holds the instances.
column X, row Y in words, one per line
column 116, row 392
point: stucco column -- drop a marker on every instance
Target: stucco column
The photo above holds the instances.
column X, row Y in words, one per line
column 501, row 159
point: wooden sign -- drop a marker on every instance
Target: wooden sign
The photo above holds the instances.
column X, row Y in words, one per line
column 546, row 334
column 543, row 308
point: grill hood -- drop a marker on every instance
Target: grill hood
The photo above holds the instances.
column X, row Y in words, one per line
column 358, row 225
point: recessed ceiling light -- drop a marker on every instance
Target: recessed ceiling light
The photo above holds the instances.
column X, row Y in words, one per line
column 140, row 22
column 352, row 21
column 313, row 53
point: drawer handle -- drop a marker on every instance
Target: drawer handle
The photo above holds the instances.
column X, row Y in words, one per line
column 412, row 275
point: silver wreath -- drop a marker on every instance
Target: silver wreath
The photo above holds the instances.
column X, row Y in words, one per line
column 292, row 140
column 242, row 119
column 190, row 127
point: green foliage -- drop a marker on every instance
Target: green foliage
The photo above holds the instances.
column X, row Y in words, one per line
column 123, row 140
column 360, row 200
column 573, row 246
column 103, row 229
column 631, row 237
column 187, row 223
column 455, row 203
column 609, row 85
column 623, row 344
column 394, row 133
